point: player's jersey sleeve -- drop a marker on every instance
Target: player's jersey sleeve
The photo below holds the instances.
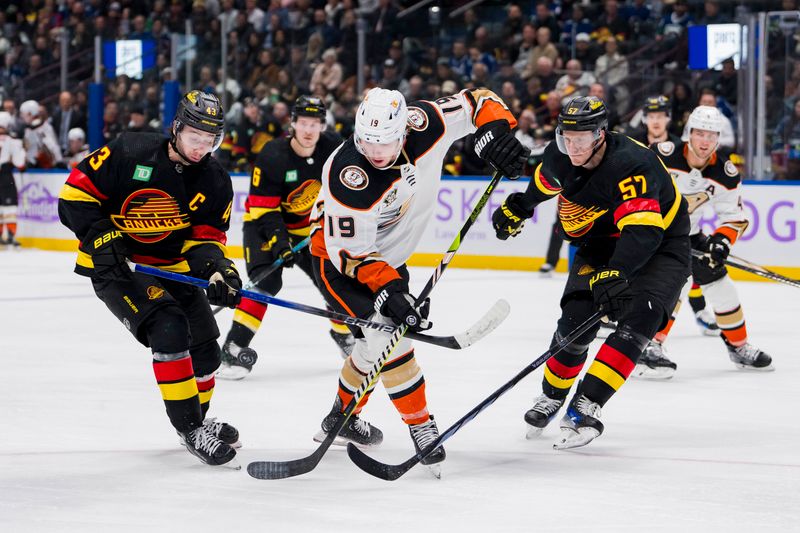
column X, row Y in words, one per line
column 645, row 202
column 263, row 204
column 727, row 203
column 468, row 110
column 207, row 241
column 351, row 225
column 81, row 200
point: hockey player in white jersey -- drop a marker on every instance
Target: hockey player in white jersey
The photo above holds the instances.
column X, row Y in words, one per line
column 706, row 177
column 378, row 193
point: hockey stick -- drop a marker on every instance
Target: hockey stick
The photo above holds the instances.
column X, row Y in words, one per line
column 392, row 472
column 480, row 329
column 758, row 270
column 269, row 270
column 284, row 469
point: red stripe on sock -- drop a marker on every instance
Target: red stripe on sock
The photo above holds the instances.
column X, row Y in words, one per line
column 563, row 371
column 205, row 386
column 253, row 308
column 616, row 360
column 167, row 371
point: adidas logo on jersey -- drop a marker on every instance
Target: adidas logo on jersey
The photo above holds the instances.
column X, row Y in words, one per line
column 481, row 143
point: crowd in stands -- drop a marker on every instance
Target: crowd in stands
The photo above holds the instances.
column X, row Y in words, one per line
column 535, row 54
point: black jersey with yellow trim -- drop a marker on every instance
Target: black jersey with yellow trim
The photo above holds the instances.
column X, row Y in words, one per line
column 286, row 183
column 629, row 191
column 171, row 215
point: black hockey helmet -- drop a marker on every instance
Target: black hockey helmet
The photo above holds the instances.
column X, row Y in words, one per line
column 655, row 104
column 308, row 106
column 583, row 113
column 202, row 111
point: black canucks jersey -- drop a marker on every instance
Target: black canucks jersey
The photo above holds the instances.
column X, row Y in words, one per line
column 628, row 201
column 172, row 216
column 284, row 185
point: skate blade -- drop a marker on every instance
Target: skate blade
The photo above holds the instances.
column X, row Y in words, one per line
column 708, row 332
column 748, row 368
column 533, row 432
column 232, row 373
column 575, row 438
column 655, row 374
column 233, row 464
column 435, row 470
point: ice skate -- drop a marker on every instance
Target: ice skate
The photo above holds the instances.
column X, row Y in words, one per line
column 654, row 364
column 543, row 411
column 237, row 361
column 748, row 357
column 707, row 322
column 203, row 444
column 580, row 425
column 424, row 435
column 546, row 271
column 223, row 431
column 345, row 342
column 356, row 430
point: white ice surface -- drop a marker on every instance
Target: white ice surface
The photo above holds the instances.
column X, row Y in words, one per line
column 85, row 445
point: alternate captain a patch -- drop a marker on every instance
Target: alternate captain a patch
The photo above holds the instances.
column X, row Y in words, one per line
column 354, row 178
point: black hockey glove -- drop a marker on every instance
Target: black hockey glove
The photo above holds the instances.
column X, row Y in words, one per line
column 105, row 244
column 279, row 247
column 224, row 284
column 717, row 247
column 393, row 301
column 495, row 144
column 611, row 292
column 509, row 218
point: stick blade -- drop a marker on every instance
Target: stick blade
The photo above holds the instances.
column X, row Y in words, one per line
column 282, row 469
column 376, row 468
column 487, row 323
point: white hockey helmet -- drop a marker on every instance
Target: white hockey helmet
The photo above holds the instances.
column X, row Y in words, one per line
column 5, row 120
column 380, row 128
column 705, row 118
column 29, row 107
column 76, row 134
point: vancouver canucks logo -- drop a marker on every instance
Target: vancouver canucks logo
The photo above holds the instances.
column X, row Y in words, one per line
column 150, row 215
column 576, row 219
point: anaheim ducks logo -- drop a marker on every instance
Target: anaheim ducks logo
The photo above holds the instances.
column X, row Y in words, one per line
column 354, row 177
column 417, row 119
column 576, row 219
column 154, row 293
column 150, row 215
column 301, row 200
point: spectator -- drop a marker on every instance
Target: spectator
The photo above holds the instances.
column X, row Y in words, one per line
column 329, row 72
column 460, row 63
column 585, row 51
column 578, row 24
column 328, row 33
column 509, row 95
column 476, row 56
column 726, row 84
column 480, row 77
column 547, row 118
column 599, row 90
column 544, row 19
column 611, row 68
column 677, row 20
column 507, row 73
column 786, row 145
column 575, row 82
column 111, row 122
column 711, row 14
column 546, row 73
column 525, row 48
column 612, row 23
column 514, row 27
column 255, row 15
column 682, row 106
column 265, row 70
column 65, row 118
column 526, row 124
column 543, row 48
column 415, row 90
column 391, row 80
column 137, row 121
column 298, row 69
column 533, row 97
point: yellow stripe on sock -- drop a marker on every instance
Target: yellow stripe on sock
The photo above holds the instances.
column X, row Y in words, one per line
column 605, row 374
column 205, row 397
column 178, row 391
column 248, row 321
column 556, row 381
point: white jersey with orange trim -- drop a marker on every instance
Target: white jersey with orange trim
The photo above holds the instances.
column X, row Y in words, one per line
column 717, row 184
column 368, row 221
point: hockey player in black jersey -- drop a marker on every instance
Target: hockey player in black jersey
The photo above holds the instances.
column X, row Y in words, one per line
column 283, row 186
column 706, row 176
column 618, row 204
column 165, row 203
